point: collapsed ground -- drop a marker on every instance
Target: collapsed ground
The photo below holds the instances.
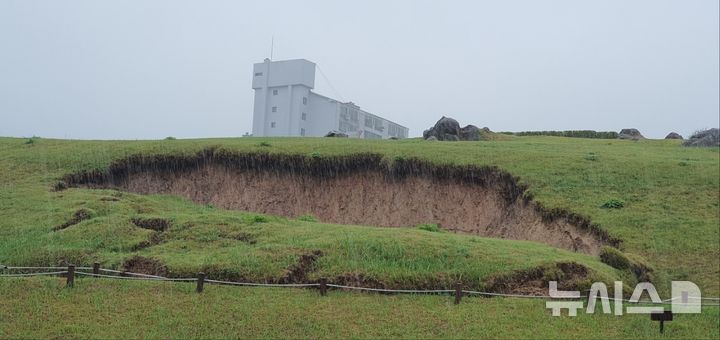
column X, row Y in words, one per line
column 358, row 189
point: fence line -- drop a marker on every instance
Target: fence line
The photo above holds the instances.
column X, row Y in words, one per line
column 323, row 285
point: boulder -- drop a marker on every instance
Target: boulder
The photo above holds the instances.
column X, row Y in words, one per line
column 673, row 135
column 630, row 134
column 445, row 129
column 431, row 138
column 710, row 137
column 335, row 133
column 470, row 132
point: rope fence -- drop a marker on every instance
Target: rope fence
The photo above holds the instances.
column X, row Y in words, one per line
column 70, row 272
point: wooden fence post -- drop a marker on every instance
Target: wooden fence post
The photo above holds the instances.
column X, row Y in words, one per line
column 200, row 282
column 323, row 286
column 96, row 268
column 71, row 276
column 458, row 293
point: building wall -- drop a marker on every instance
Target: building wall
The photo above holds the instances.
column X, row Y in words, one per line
column 322, row 116
column 286, row 106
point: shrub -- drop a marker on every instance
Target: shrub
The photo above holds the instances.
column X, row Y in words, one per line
column 265, row 144
column 307, row 218
column 170, row 138
column 315, row 154
column 590, row 157
column 432, row 227
column 613, row 204
column 32, row 140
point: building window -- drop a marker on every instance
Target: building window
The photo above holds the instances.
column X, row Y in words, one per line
column 302, row 132
column 275, row 92
column 272, row 124
column 304, row 100
column 274, row 109
column 258, row 74
column 303, row 116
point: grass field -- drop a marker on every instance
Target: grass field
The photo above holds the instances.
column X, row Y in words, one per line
column 670, row 218
column 43, row 308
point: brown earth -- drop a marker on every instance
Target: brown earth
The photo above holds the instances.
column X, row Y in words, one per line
column 534, row 281
column 368, row 197
column 144, row 265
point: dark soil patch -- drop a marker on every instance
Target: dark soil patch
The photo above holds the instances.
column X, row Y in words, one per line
column 358, row 280
column 144, row 265
column 297, row 273
column 154, row 239
column 243, row 237
column 157, row 224
column 534, row 281
column 78, row 216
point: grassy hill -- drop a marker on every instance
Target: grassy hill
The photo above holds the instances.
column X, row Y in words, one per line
column 669, row 219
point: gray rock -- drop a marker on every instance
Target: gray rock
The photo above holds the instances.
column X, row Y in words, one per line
column 630, row 134
column 443, row 129
column 470, row 132
column 673, row 135
column 710, row 137
column 335, row 133
column 431, row 138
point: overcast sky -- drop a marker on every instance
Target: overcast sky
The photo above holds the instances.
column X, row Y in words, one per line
column 150, row 69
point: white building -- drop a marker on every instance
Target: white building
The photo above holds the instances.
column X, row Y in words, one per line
column 286, row 106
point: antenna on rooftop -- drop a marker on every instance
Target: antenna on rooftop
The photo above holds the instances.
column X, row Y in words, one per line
column 272, row 46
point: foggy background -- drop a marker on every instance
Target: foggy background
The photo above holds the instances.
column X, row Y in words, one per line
column 151, row 69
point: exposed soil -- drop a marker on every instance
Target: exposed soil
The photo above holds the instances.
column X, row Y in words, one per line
column 534, row 281
column 368, row 198
column 157, row 224
column 297, row 273
column 360, row 189
column 78, row 216
column 243, row 237
column 154, row 239
column 144, row 265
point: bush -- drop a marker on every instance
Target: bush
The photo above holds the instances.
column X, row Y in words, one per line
column 265, row 144
column 432, row 227
column 170, row 138
column 32, row 140
column 307, row 218
column 613, row 204
column 590, row 157
column 315, row 154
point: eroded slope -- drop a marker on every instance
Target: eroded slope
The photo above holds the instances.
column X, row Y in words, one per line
column 358, row 189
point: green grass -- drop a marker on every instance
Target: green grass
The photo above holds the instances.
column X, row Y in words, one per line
column 97, row 308
column 670, row 219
